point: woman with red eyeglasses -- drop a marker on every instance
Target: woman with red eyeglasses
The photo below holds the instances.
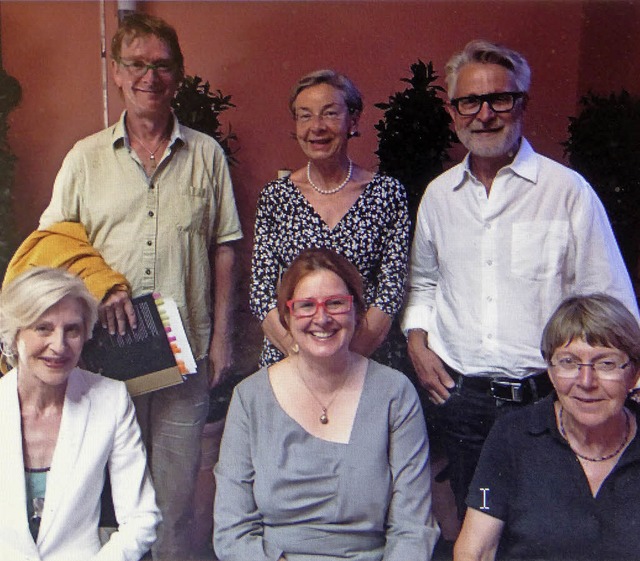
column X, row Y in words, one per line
column 325, row 454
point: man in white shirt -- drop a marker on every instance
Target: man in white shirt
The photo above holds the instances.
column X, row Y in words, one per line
column 500, row 240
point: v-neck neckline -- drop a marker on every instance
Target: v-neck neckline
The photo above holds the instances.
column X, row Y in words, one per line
column 356, row 418
column 313, row 210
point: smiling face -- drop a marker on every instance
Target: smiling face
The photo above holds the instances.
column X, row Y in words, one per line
column 589, row 400
column 487, row 134
column 148, row 96
column 322, row 335
column 323, row 122
column 50, row 348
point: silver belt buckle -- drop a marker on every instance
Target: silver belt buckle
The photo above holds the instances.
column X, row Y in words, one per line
column 515, row 390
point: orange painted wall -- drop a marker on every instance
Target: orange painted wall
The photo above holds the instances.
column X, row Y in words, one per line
column 255, row 50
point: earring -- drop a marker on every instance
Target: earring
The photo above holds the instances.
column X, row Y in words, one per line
column 295, row 349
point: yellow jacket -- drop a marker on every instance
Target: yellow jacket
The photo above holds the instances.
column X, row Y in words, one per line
column 66, row 245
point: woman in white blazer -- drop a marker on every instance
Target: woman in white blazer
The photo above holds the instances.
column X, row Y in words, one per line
column 60, row 429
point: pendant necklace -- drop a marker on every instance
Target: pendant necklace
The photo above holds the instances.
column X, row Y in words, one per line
column 627, row 430
column 152, row 153
column 335, row 189
column 324, row 419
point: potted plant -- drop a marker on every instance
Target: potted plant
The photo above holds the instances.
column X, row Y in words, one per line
column 197, row 107
column 10, row 94
column 604, row 146
column 414, row 135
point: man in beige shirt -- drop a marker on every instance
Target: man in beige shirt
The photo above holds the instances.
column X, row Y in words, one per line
column 156, row 201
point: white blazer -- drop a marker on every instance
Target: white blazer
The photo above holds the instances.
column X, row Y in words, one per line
column 98, row 429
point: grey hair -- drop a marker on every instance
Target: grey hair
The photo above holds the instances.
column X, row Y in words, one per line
column 597, row 319
column 352, row 96
column 31, row 294
column 486, row 52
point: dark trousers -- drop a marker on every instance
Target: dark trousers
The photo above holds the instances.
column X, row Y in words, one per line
column 464, row 422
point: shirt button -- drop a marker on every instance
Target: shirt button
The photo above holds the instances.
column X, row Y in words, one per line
column 151, row 213
column 490, row 336
column 147, row 271
column 152, row 186
column 149, row 242
column 489, row 299
column 487, row 226
column 489, row 262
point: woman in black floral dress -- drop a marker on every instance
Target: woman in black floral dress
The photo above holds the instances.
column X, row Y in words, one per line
column 331, row 202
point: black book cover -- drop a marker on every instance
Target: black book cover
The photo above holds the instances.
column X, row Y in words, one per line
column 136, row 354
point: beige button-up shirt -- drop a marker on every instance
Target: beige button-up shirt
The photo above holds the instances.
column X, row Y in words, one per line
column 158, row 231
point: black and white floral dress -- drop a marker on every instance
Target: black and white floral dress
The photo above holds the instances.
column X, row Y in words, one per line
column 373, row 235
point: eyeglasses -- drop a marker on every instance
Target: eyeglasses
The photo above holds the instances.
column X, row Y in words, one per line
column 333, row 305
column 500, row 102
column 328, row 115
column 606, row 369
column 138, row 68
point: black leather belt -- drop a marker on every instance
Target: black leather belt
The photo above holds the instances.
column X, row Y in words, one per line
column 524, row 390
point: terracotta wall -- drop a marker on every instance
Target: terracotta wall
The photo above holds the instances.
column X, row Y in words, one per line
column 256, row 50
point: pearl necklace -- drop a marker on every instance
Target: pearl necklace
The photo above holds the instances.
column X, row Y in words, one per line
column 324, row 419
column 627, row 430
column 335, row 189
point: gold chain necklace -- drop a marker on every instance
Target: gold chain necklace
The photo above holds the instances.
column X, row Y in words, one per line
column 324, row 419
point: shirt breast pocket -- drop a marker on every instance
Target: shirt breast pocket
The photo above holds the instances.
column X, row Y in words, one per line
column 539, row 248
column 191, row 212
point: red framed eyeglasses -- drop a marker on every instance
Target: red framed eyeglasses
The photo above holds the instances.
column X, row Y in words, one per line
column 333, row 305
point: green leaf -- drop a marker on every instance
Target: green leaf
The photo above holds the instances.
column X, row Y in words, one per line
column 414, row 135
column 197, row 107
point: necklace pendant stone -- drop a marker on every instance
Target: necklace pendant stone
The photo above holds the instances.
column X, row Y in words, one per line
column 323, row 418
column 152, row 157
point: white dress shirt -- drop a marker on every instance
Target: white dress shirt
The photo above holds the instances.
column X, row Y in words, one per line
column 487, row 272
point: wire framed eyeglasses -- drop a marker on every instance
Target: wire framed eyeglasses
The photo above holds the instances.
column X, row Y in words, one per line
column 327, row 116
column 605, row 369
column 138, row 68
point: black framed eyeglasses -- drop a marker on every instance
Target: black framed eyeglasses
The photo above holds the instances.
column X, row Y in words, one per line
column 499, row 102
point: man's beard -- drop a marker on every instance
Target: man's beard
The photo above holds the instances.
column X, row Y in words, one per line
column 494, row 148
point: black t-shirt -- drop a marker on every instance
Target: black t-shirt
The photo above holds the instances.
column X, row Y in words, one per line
column 529, row 478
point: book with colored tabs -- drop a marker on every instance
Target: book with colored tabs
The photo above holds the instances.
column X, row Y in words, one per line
column 154, row 356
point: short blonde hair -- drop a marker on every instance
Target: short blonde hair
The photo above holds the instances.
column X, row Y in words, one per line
column 34, row 292
column 597, row 319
